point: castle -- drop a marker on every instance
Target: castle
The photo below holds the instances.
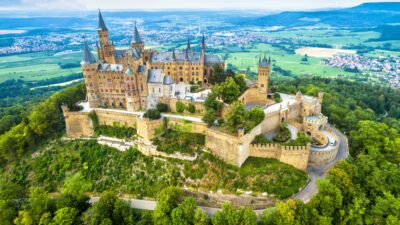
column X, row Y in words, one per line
column 131, row 78
column 121, row 84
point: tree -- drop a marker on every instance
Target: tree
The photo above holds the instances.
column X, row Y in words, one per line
column 229, row 90
column 167, row 200
column 39, row 203
column 162, row 107
column 152, row 114
column 73, row 193
column 211, row 101
column 277, row 97
column 236, row 117
column 183, row 214
column 218, row 76
column 191, row 108
column 24, row 218
column 209, row 117
column 240, row 80
column 180, row 107
column 66, row 216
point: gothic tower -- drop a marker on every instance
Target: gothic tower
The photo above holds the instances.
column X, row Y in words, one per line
column 107, row 49
column 264, row 68
column 137, row 42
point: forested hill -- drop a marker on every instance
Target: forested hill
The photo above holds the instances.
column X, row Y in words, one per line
column 365, row 15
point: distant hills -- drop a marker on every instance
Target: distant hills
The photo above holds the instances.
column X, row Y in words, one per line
column 362, row 16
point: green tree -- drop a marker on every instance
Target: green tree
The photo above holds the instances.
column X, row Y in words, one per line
column 162, row 107
column 66, row 216
column 218, row 76
column 39, row 203
column 152, row 114
column 240, row 80
column 180, row 107
column 167, row 199
column 236, row 117
column 191, row 108
column 229, row 90
column 209, row 117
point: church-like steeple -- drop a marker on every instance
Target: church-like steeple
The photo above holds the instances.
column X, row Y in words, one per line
column 136, row 39
column 173, row 54
column 264, row 62
column 87, row 58
column 203, row 43
column 188, row 43
column 102, row 25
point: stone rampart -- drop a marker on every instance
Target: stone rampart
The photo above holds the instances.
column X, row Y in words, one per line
column 297, row 156
column 320, row 157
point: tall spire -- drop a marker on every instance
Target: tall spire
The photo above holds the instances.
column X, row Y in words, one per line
column 173, row 54
column 88, row 57
column 102, row 25
column 136, row 36
column 188, row 43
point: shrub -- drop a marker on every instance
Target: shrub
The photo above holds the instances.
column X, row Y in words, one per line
column 180, row 107
column 209, row 117
column 162, row 107
column 284, row 134
column 191, row 108
column 152, row 114
column 260, row 139
column 277, row 97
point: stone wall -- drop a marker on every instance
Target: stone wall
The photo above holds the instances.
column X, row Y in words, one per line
column 146, row 128
column 223, row 145
column 319, row 157
column 122, row 118
column 253, row 96
column 297, row 156
column 171, row 102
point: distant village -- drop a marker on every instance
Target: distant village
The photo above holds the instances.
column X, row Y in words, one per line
column 384, row 68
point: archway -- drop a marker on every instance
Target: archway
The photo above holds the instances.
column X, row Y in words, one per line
column 181, row 79
column 205, row 81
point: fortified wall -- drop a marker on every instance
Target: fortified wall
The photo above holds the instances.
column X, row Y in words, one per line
column 232, row 148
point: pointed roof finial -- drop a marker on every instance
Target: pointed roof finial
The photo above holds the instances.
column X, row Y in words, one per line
column 136, row 36
column 88, row 57
column 188, row 42
column 173, row 54
column 187, row 54
column 259, row 60
column 102, row 25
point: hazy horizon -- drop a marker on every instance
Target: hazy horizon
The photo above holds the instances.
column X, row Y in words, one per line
column 127, row 5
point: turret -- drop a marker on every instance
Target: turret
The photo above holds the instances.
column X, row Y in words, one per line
column 320, row 96
column 89, row 69
column 299, row 96
column 107, row 50
column 137, row 41
column 264, row 69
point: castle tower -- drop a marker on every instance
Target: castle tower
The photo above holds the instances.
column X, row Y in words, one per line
column 264, row 68
column 107, row 49
column 137, row 42
column 89, row 68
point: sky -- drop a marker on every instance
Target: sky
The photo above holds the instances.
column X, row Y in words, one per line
column 178, row 4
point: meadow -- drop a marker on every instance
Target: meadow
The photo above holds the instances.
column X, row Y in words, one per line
column 39, row 66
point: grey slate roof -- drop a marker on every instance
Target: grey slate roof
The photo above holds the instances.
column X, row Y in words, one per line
column 168, row 80
column 186, row 55
column 155, row 76
column 88, row 57
column 212, row 59
column 102, row 25
column 136, row 39
column 120, row 53
column 264, row 62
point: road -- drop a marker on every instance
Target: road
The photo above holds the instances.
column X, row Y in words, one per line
column 305, row 194
column 316, row 173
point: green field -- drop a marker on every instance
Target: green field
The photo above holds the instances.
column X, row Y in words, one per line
column 249, row 60
column 37, row 66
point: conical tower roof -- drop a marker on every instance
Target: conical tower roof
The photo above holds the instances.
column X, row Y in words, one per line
column 88, row 57
column 102, row 25
column 136, row 39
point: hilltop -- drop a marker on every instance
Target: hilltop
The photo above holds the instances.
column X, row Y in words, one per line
column 364, row 15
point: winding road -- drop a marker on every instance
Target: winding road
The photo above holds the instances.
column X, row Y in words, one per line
column 305, row 194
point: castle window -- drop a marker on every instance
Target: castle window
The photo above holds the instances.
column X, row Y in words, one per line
column 262, row 85
column 159, row 90
column 180, row 67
